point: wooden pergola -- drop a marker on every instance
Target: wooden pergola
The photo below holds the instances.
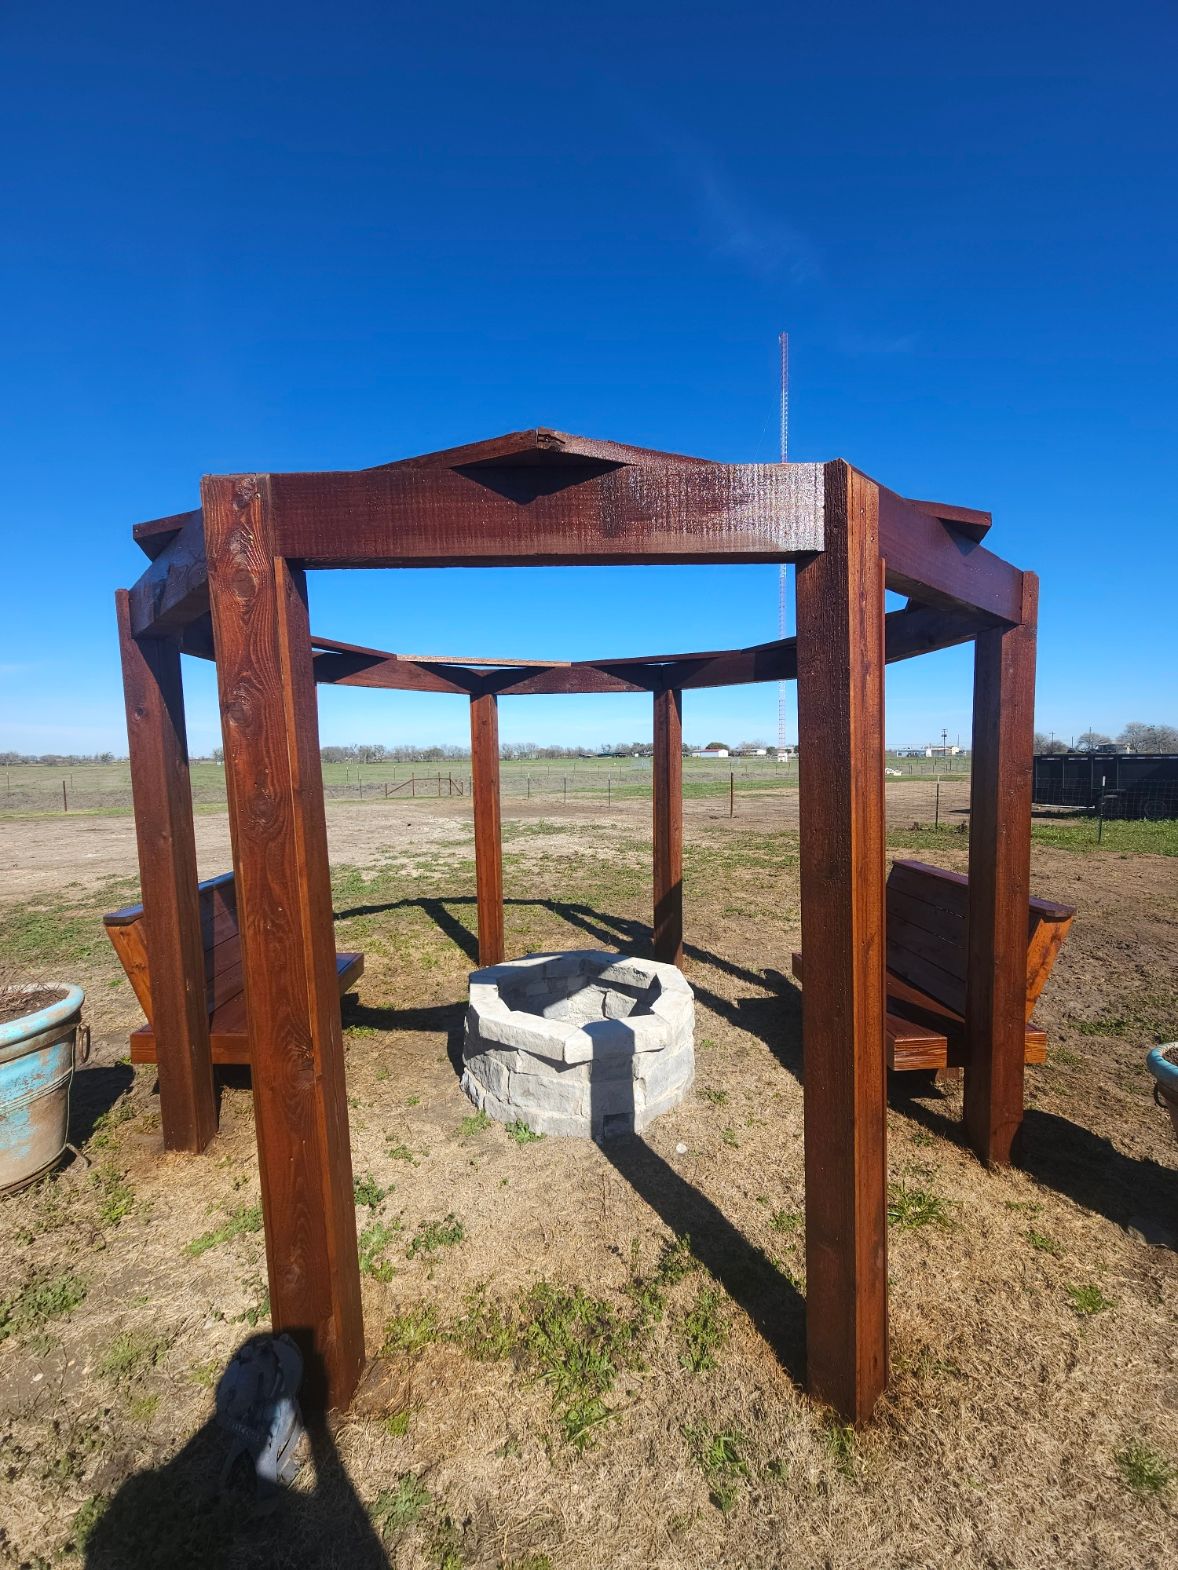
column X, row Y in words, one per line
column 228, row 582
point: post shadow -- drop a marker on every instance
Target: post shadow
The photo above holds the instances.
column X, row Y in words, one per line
column 177, row 1517
column 95, row 1089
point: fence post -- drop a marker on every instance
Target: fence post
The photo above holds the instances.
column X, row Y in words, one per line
column 731, row 795
column 937, row 807
column 65, row 805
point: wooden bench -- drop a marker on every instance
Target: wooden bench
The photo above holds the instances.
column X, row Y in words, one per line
column 927, row 911
column 224, row 981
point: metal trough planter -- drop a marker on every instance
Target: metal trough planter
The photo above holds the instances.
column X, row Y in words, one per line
column 1165, row 1080
column 38, row 1053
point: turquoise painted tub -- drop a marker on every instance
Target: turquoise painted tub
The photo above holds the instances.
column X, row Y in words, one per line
column 1165, row 1081
column 38, row 1053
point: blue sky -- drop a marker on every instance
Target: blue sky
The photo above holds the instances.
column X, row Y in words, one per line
column 298, row 237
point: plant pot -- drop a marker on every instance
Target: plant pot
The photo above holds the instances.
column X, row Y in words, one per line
column 39, row 1050
column 1165, row 1081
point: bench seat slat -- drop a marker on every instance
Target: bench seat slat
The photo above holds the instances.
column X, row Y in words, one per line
column 227, row 1028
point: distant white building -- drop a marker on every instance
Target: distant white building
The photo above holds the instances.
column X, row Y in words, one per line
column 711, row 752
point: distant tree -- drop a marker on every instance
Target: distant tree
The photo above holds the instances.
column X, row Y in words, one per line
column 1093, row 741
column 1047, row 743
column 716, row 746
column 1149, row 738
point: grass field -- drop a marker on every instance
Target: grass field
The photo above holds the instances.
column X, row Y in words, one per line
column 35, row 789
column 588, row 1357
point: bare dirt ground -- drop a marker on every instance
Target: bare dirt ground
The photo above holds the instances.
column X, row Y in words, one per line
column 554, row 1380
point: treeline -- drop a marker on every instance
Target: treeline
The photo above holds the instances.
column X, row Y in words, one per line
column 1137, row 736
column 58, row 760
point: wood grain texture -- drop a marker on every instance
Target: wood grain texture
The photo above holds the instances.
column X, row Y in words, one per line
column 667, row 771
column 407, row 515
column 488, row 826
column 174, row 590
column 999, row 881
column 921, row 1033
column 939, row 563
column 162, row 794
column 840, row 619
column 274, row 781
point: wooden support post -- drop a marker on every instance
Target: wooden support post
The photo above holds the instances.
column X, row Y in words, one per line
column 1000, row 881
column 162, row 795
column 488, row 829
column 668, row 827
column 276, row 813
column 840, row 605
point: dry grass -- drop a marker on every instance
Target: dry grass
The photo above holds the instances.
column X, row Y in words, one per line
column 589, row 1357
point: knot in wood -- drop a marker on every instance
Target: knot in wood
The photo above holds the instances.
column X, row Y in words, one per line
column 245, row 492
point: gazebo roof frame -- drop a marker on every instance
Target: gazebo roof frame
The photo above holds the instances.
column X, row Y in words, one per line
column 227, row 582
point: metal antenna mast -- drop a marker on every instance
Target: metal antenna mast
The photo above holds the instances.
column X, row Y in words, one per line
column 783, row 343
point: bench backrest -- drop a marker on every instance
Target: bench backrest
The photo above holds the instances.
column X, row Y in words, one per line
column 927, row 915
column 220, row 940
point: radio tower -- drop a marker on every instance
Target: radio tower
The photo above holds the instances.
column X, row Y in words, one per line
column 783, row 342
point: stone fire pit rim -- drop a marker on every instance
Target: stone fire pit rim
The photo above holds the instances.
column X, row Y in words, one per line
column 561, row 1041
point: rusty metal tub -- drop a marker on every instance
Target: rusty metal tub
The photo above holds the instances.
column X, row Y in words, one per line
column 38, row 1053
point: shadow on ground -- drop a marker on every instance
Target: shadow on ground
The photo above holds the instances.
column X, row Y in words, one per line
column 95, row 1089
column 178, row 1517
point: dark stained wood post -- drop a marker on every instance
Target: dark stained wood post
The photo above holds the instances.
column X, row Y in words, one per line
column 668, row 827
column 1000, row 881
column 275, row 784
column 840, row 641
column 162, row 793
column 488, row 828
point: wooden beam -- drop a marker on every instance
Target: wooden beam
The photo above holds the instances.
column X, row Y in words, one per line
column 584, row 676
column 488, row 827
column 645, row 513
column 970, row 520
column 392, row 673
column 668, row 827
column 276, row 813
column 940, row 563
column 174, row 590
column 162, row 793
column 840, row 607
column 1000, row 881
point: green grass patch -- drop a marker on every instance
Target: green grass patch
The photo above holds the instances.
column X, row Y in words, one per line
column 1041, row 1241
column 116, row 1196
column 1088, row 1300
column 474, row 1124
column 374, row 1244
column 909, row 1208
column 367, row 1191
column 396, row 1509
column 412, row 1330
column 243, row 1221
column 840, row 1442
column 434, row 1235
column 720, row 1454
column 1145, row 1469
column 705, row 1329
column 522, row 1134
column 30, row 1310
column 131, row 1354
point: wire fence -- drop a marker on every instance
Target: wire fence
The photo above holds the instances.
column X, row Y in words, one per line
column 914, row 793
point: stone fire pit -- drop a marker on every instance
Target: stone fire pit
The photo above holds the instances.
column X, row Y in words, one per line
column 583, row 1043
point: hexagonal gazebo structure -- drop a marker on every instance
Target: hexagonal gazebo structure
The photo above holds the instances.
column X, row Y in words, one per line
column 228, row 582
